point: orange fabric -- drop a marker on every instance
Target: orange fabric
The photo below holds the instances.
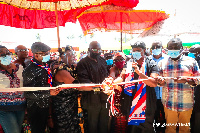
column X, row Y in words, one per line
column 125, row 21
column 36, row 19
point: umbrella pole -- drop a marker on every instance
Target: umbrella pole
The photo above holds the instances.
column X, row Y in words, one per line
column 121, row 41
column 121, row 30
column 56, row 13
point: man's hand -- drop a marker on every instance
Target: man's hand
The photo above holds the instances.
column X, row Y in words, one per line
column 135, row 66
column 107, row 85
column 54, row 92
column 160, row 80
column 108, row 81
column 180, row 80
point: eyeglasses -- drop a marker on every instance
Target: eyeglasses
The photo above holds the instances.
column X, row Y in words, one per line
column 22, row 50
column 43, row 54
column 96, row 50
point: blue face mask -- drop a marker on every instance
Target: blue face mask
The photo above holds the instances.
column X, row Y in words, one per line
column 136, row 55
column 6, row 60
column 191, row 55
column 109, row 62
column 46, row 58
column 173, row 53
column 156, row 51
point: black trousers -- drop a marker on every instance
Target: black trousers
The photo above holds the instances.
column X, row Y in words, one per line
column 96, row 115
column 159, row 117
column 195, row 118
column 37, row 118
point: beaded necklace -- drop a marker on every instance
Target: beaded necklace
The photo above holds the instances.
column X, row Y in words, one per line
column 48, row 71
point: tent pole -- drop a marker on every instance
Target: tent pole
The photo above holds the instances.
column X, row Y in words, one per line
column 121, row 30
column 56, row 13
column 121, row 41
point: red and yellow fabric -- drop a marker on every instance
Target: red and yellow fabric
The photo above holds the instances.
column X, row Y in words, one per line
column 116, row 18
column 36, row 19
column 38, row 15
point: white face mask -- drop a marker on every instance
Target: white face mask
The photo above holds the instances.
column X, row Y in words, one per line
column 46, row 58
column 136, row 55
column 6, row 60
column 173, row 53
column 156, row 51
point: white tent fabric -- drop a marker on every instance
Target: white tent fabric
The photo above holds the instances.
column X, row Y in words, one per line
column 173, row 27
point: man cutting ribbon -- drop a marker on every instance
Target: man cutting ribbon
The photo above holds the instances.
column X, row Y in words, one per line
column 140, row 103
column 177, row 95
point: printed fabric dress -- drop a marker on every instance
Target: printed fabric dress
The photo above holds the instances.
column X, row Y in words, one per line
column 65, row 105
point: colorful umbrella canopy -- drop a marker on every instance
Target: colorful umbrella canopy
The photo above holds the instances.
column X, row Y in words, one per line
column 66, row 4
column 50, row 4
column 36, row 19
column 40, row 13
column 117, row 18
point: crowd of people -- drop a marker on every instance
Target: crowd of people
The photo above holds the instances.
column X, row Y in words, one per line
column 151, row 90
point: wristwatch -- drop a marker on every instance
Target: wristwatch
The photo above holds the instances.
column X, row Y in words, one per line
column 96, row 90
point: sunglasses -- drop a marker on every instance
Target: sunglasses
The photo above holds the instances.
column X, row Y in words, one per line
column 22, row 50
column 96, row 50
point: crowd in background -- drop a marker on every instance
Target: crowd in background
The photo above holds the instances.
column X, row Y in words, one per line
column 169, row 95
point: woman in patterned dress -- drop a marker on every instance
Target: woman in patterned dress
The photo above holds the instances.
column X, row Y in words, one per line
column 65, row 104
column 12, row 104
column 119, row 121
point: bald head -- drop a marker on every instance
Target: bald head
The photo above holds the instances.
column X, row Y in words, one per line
column 94, row 45
column 94, row 49
column 21, row 51
column 19, row 47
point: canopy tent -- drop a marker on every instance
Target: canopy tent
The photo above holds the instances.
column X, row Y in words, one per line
column 20, row 13
column 118, row 18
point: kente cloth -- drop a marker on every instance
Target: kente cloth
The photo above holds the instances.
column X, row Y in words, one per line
column 137, row 112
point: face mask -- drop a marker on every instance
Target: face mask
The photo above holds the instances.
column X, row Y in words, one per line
column 191, row 55
column 173, row 53
column 156, row 51
column 6, row 60
column 120, row 65
column 109, row 62
column 46, row 58
column 94, row 55
column 136, row 55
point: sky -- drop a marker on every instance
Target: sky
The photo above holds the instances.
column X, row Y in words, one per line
column 185, row 10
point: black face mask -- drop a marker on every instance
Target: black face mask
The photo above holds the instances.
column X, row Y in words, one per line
column 94, row 55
